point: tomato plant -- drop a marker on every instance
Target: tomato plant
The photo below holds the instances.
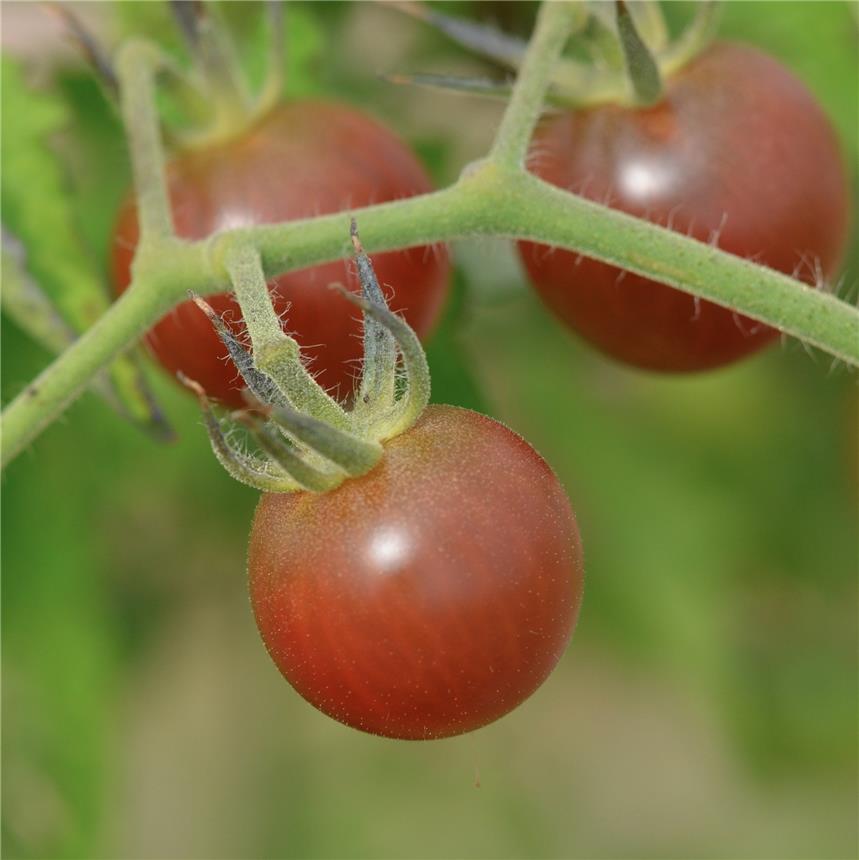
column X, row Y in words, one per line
column 738, row 153
column 304, row 158
column 432, row 595
column 416, row 570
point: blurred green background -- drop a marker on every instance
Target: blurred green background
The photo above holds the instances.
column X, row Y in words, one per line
column 707, row 706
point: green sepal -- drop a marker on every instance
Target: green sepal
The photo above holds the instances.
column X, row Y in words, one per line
column 642, row 70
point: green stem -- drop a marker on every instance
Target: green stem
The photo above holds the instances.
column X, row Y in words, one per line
column 489, row 202
column 555, row 23
column 63, row 381
column 557, row 218
column 275, row 353
column 496, row 198
column 135, row 67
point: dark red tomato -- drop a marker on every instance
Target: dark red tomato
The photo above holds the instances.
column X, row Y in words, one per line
column 429, row 597
column 737, row 147
column 303, row 159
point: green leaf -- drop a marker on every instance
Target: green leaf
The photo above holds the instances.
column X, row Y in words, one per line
column 24, row 302
column 37, row 205
column 39, row 209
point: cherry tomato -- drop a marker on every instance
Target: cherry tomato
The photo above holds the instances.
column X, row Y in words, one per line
column 739, row 149
column 429, row 597
column 303, row 159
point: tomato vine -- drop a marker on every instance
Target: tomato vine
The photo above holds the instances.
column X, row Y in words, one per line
column 493, row 197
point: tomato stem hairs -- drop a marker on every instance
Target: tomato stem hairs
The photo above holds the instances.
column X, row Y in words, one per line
column 305, row 439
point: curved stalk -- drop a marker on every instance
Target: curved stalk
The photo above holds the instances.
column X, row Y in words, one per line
column 136, row 66
column 490, row 202
column 276, row 354
column 555, row 24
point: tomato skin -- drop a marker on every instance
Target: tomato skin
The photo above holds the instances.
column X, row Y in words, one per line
column 303, row 159
column 429, row 597
column 739, row 146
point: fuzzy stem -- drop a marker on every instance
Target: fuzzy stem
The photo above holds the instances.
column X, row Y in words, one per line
column 486, row 203
column 495, row 198
column 565, row 220
column 135, row 68
column 275, row 353
column 555, row 23
column 63, row 381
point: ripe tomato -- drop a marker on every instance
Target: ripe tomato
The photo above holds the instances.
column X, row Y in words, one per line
column 432, row 595
column 303, row 159
column 737, row 147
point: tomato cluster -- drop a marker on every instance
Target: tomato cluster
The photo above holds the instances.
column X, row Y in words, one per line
column 435, row 593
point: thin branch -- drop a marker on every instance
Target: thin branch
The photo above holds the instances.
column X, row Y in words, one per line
column 555, row 23
column 135, row 67
column 515, row 205
column 123, row 323
column 486, row 202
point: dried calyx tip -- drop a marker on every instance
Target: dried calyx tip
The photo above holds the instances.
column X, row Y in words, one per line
column 247, row 417
column 356, row 241
column 254, row 404
column 203, row 305
column 355, row 298
column 192, row 385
